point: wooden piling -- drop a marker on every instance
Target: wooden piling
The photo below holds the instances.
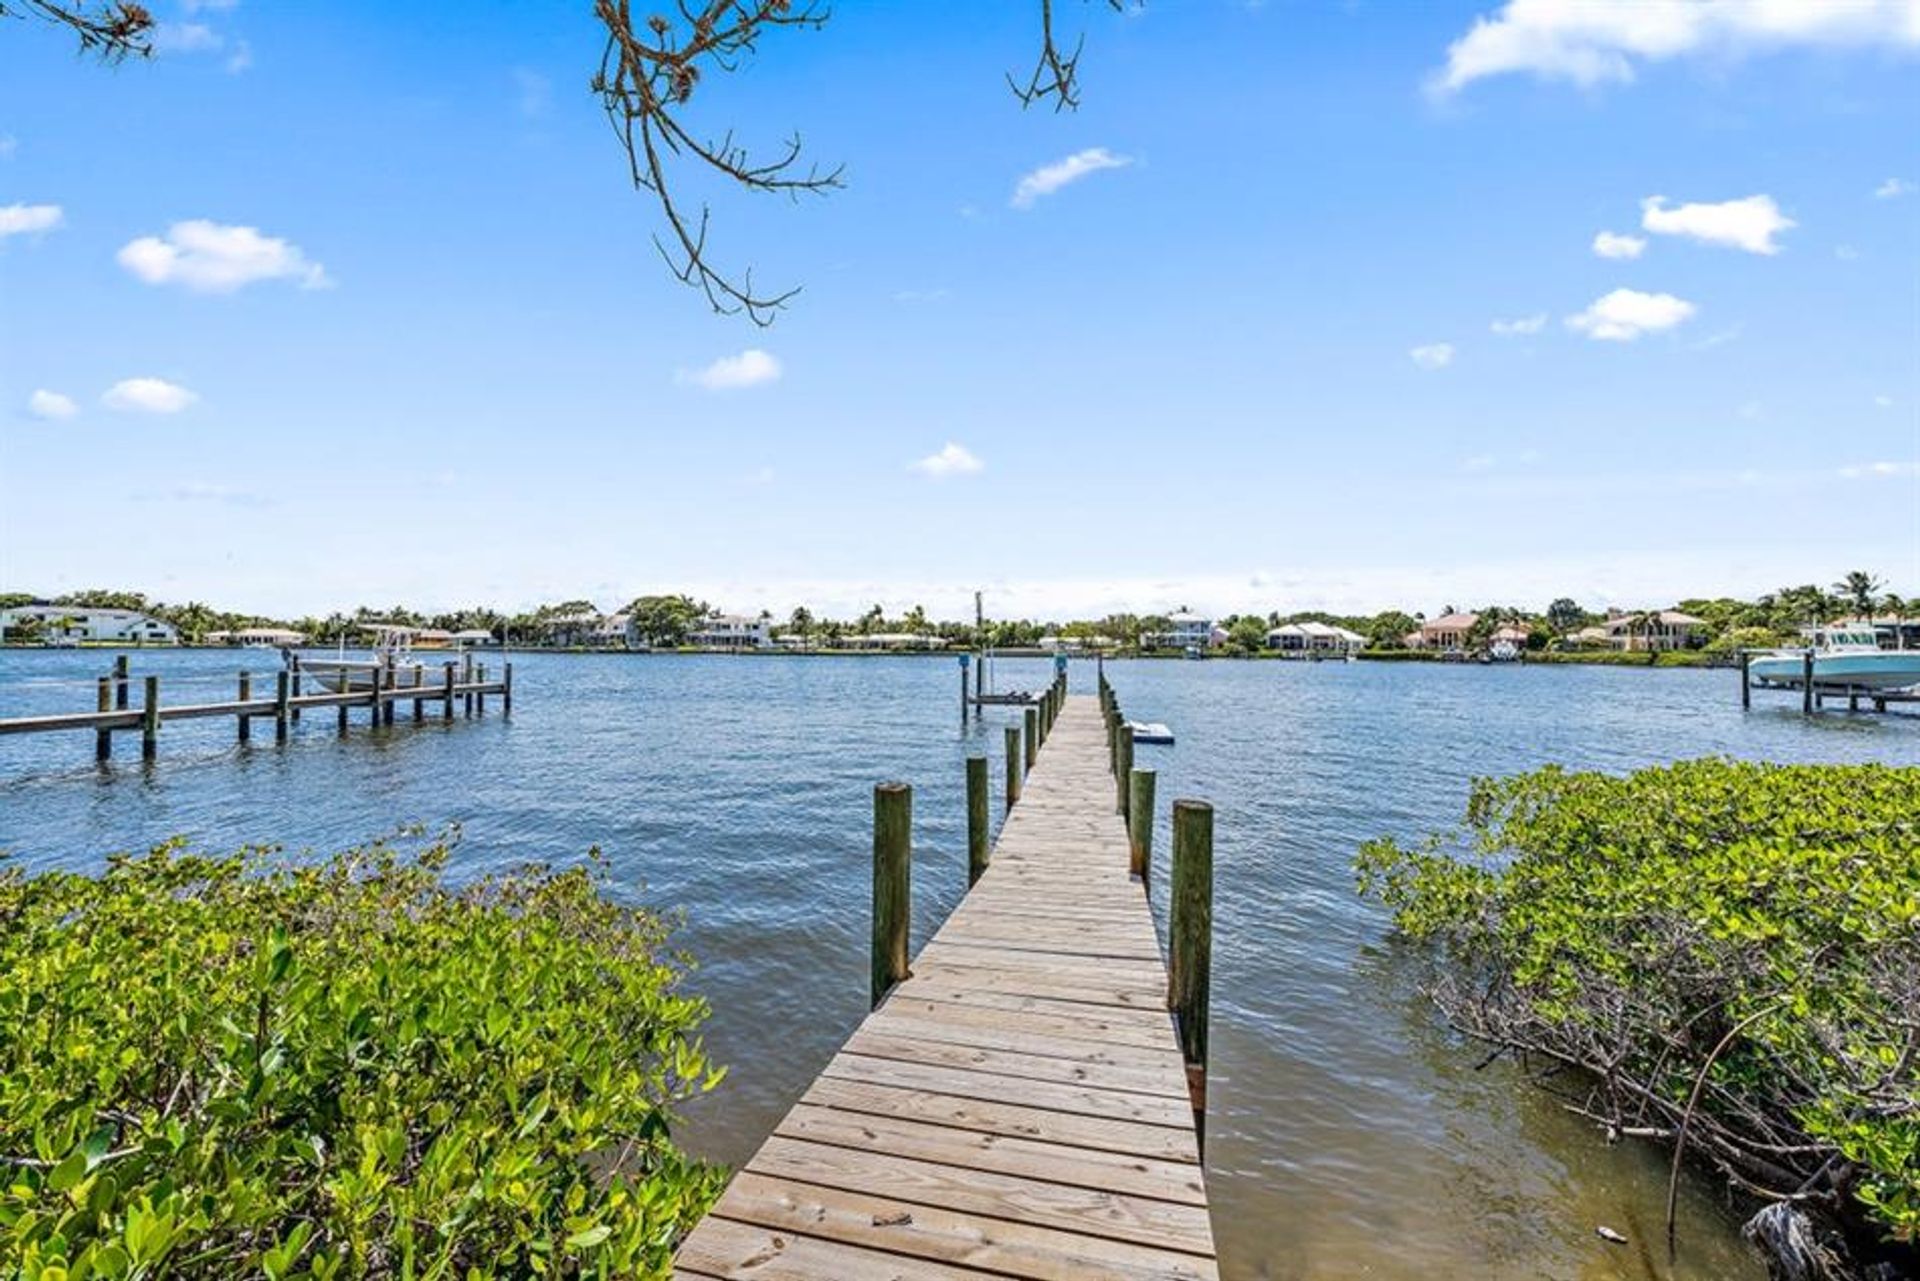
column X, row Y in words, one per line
column 963, row 689
column 892, row 885
column 466, row 674
column 282, row 686
column 386, row 707
column 103, row 738
column 120, row 682
column 978, row 849
column 1190, row 945
column 1140, row 828
column 294, row 661
column 346, row 686
column 506, row 689
column 419, row 704
column 1746, row 680
column 150, row 720
column 480, row 692
column 448, row 712
column 1032, row 721
column 1123, row 774
column 1013, row 765
column 243, row 731
column 1806, row 683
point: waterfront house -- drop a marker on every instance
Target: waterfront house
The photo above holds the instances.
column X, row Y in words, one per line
column 891, row 641
column 1510, row 634
column 615, row 631
column 1314, row 638
column 1653, row 629
column 732, row 632
column 278, row 637
column 80, row 624
column 1447, row 632
column 1185, row 630
column 569, row 630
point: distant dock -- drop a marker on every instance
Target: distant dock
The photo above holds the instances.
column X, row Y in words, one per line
column 1025, row 1099
column 460, row 686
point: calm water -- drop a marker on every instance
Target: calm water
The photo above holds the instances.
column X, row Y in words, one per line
column 1350, row 1135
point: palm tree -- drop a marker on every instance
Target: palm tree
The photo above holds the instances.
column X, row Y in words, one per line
column 1859, row 587
column 800, row 622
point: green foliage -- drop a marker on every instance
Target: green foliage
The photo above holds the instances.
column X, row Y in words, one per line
column 218, row 1067
column 1628, row 925
column 665, row 621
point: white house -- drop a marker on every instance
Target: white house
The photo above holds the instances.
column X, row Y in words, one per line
column 1312, row 637
column 732, row 631
column 1185, row 630
column 80, row 624
column 890, row 640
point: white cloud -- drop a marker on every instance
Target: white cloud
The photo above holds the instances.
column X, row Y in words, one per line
column 1625, row 314
column 186, row 37
column 1883, row 402
column 240, row 59
column 147, row 396
column 1749, row 224
column 1048, row 179
column 1611, row 244
column 1591, row 42
column 953, row 460
column 20, row 220
column 1520, row 325
column 208, row 6
column 209, row 257
column 51, row 404
column 1891, row 188
column 1846, row 253
column 1880, row 471
column 749, row 369
column 8, row 145
column 1433, row 355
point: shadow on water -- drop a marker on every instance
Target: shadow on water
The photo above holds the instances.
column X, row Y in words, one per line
column 1351, row 1135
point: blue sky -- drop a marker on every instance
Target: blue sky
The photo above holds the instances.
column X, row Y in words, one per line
column 1235, row 349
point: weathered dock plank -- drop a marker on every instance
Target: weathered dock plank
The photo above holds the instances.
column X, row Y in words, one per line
column 1019, row 1106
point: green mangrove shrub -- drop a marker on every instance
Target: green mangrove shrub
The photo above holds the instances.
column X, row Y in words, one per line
column 229, row 1066
column 1726, row 948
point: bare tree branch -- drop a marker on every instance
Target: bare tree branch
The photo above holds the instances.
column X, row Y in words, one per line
column 113, row 29
column 647, row 75
column 1057, row 75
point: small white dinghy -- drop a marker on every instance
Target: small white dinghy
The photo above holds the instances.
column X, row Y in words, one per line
column 1150, row 732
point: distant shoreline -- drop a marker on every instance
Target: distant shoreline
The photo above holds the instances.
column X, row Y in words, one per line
column 1693, row 658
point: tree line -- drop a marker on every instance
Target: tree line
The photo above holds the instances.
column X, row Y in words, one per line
column 667, row 620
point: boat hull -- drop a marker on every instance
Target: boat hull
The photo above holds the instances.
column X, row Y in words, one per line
column 338, row 677
column 1892, row 669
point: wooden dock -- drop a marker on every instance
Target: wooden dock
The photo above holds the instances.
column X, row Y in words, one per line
column 1020, row 1105
column 463, row 686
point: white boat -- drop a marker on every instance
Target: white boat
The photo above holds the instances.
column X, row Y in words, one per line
column 1844, row 657
column 1150, row 732
column 392, row 652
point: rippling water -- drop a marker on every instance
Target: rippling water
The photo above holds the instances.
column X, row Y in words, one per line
column 1350, row 1135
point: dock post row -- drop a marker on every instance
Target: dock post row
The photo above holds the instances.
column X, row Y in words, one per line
column 113, row 711
column 1024, row 1100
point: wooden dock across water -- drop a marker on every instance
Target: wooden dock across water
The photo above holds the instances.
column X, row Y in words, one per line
column 1019, row 1106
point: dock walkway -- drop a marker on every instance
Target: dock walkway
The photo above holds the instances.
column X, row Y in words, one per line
column 1019, row 1106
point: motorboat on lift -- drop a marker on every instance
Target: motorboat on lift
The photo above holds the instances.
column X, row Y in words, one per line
column 392, row 651
column 1845, row 656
